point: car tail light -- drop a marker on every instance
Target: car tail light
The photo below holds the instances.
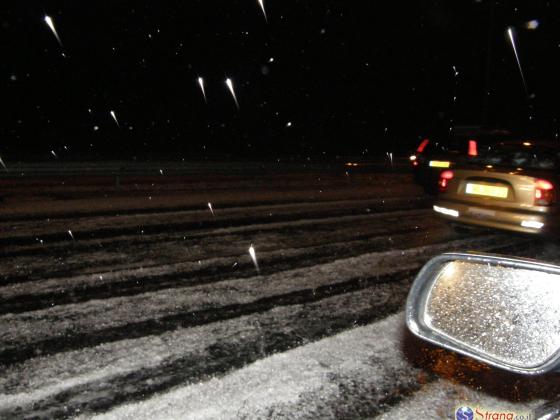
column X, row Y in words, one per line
column 444, row 178
column 422, row 145
column 473, row 150
column 544, row 192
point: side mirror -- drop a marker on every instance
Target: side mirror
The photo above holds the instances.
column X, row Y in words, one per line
column 502, row 311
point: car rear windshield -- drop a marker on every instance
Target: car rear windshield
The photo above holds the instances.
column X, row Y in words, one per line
column 459, row 143
column 454, row 145
column 520, row 156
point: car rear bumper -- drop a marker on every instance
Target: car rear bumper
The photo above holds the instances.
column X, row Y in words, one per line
column 427, row 177
column 507, row 219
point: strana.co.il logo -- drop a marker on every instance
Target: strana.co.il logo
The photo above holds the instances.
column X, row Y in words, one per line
column 464, row 413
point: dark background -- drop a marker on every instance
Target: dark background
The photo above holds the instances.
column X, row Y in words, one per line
column 358, row 77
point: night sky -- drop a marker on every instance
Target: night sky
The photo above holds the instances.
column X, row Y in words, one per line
column 333, row 77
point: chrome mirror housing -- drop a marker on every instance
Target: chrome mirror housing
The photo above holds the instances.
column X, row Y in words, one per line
column 502, row 311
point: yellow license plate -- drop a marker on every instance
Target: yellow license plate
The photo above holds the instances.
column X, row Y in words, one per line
column 439, row 164
column 487, row 190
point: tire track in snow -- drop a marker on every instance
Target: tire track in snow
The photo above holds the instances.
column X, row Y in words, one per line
column 317, row 380
column 238, row 319
column 137, row 249
column 39, row 294
column 101, row 228
column 220, row 348
column 87, row 324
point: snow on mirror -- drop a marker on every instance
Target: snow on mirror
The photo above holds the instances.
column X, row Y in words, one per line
column 502, row 311
column 511, row 314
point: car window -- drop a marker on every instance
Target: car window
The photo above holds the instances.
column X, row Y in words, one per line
column 519, row 156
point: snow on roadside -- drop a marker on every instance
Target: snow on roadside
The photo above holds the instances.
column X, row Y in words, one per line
column 41, row 377
column 77, row 372
column 302, row 382
column 378, row 263
column 92, row 315
column 109, row 277
column 348, row 375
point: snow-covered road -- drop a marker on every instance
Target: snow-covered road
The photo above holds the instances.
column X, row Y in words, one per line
column 152, row 307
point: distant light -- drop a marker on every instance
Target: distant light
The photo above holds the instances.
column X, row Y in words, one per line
column 289, row 124
column 412, row 157
column 271, row 60
column 532, row 24
column 489, row 166
column 526, row 143
column 446, row 211
column 532, row 224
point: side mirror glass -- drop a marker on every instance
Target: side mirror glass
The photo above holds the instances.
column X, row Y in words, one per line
column 499, row 310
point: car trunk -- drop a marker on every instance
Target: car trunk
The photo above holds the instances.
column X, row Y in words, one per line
column 495, row 188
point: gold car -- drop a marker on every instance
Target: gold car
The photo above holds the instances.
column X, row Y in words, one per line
column 511, row 186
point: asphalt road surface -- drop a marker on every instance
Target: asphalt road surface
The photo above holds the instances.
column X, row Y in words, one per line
column 135, row 298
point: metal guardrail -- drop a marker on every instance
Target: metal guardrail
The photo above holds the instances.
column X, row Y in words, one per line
column 123, row 169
